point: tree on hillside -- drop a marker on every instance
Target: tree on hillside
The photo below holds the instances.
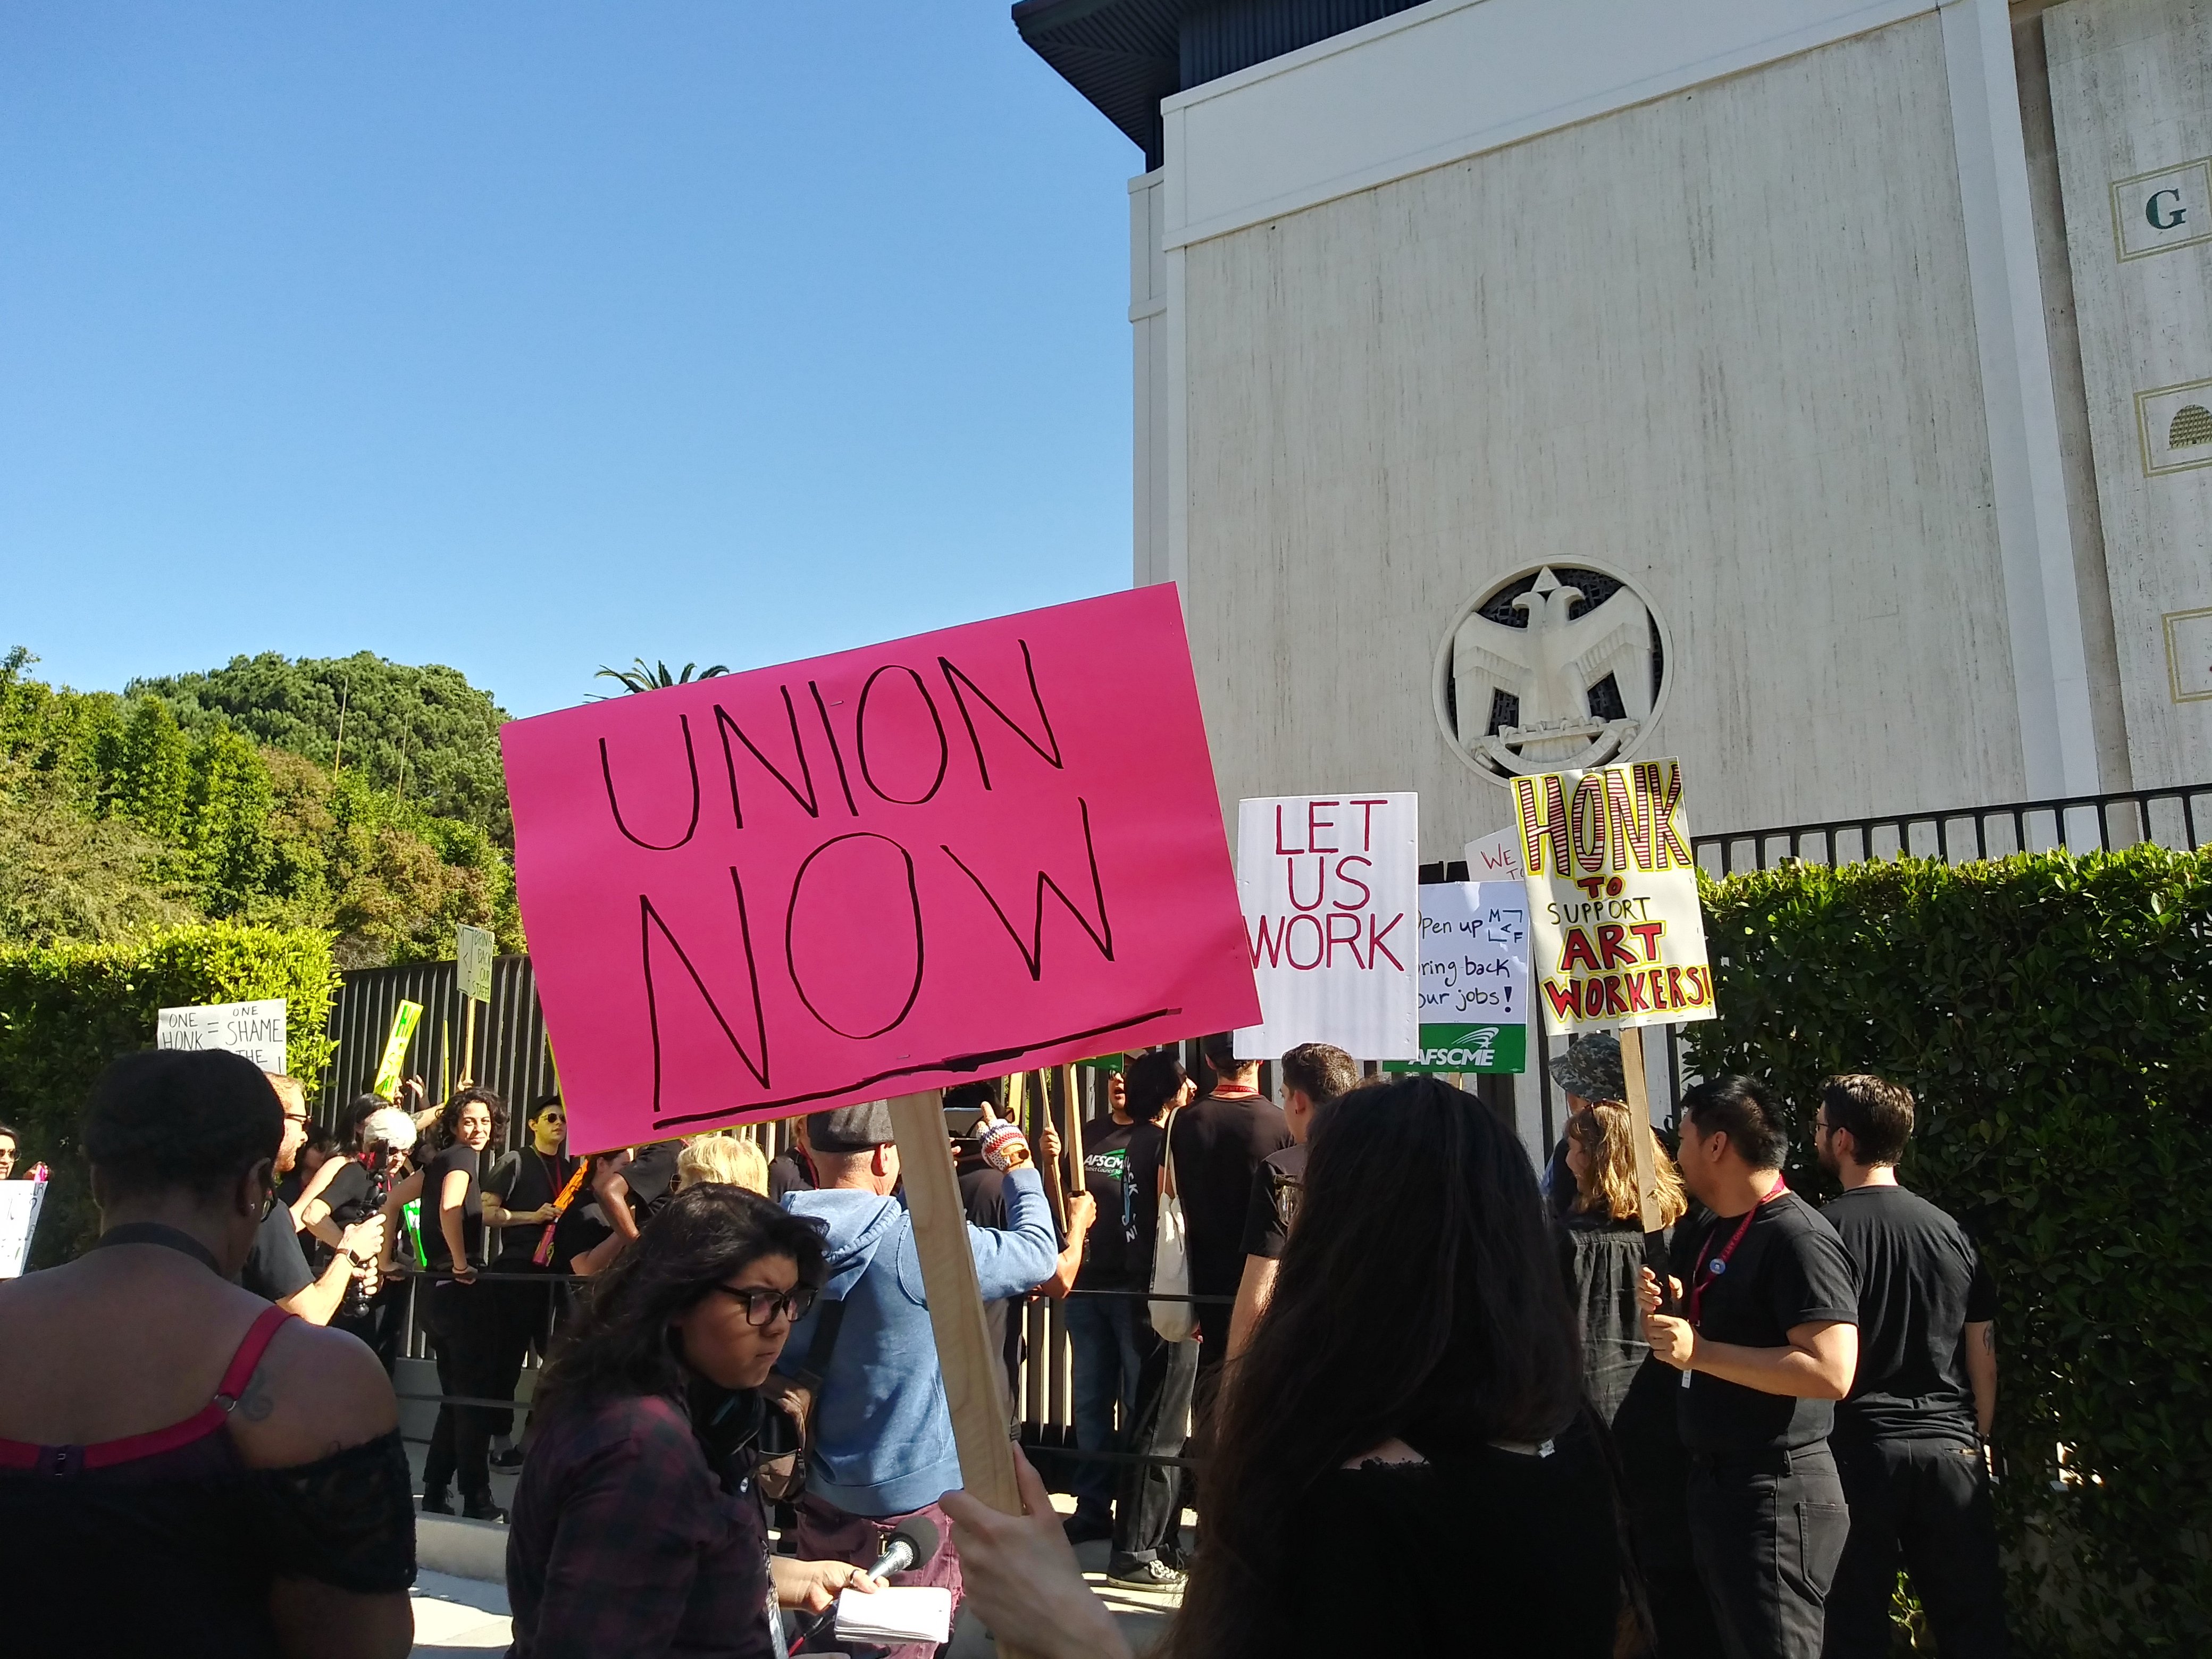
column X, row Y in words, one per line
column 148, row 770
column 424, row 734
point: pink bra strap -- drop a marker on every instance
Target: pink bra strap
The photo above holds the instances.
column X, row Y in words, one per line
column 244, row 1362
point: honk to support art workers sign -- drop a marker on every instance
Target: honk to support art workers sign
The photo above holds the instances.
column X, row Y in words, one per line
column 1616, row 936
column 1330, row 890
column 958, row 855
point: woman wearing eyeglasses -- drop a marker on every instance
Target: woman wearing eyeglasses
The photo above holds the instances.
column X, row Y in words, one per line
column 637, row 1527
column 185, row 1468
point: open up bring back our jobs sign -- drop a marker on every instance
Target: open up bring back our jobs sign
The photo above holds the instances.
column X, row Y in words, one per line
column 1616, row 936
column 965, row 854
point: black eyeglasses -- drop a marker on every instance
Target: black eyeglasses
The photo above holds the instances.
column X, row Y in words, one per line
column 761, row 1306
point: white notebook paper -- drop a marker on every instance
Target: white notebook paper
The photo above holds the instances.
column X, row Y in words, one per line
column 895, row 1613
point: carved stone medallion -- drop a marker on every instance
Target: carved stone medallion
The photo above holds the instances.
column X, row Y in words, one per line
column 1555, row 668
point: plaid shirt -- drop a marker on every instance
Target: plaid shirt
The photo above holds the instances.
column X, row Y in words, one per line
column 623, row 1542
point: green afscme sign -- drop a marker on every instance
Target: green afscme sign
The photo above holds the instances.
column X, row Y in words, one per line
column 1469, row 1048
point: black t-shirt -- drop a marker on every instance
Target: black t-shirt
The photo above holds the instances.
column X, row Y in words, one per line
column 789, row 1172
column 1122, row 1173
column 1277, row 1186
column 346, row 1195
column 1921, row 1283
column 651, row 1177
column 462, row 1157
column 530, row 1180
column 1216, row 1143
column 1789, row 1270
column 275, row 1267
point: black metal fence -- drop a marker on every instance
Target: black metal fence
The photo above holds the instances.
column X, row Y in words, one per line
column 510, row 1052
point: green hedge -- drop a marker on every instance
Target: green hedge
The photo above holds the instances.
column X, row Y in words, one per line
column 66, row 1011
column 2053, row 1015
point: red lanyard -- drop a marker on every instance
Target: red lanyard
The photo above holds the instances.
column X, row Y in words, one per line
column 1713, row 1267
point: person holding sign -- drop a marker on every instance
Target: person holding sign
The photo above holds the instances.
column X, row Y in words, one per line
column 1766, row 1342
column 183, row 1467
column 881, row 1447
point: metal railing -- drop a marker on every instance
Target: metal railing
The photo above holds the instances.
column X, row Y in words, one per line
column 2180, row 817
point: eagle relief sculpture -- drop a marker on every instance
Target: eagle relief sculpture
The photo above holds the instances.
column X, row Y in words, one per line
column 1522, row 697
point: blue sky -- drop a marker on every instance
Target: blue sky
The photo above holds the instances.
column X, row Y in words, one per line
column 526, row 337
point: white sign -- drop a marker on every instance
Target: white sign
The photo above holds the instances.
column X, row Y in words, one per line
column 472, row 953
column 1330, row 891
column 19, row 1201
column 1474, row 977
column 1495, row 858
column 255, row 1029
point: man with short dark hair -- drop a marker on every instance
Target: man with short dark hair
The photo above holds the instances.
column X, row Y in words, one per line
column 1767, row 1341
column 1217, row 1143
column 1908, row 1437
column 1314, row 1075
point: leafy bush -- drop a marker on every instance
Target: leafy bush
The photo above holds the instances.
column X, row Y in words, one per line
column 66, row 1011
column 2053, row 1015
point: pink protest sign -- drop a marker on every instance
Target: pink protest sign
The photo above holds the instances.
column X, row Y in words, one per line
column 962, row 855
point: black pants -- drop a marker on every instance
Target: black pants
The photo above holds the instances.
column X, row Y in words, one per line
column 1657, row 1471
column 1148, row 1518
column 524, row 1321
column 1768, row 1530
column 464, row 1322
column 1924, row 1505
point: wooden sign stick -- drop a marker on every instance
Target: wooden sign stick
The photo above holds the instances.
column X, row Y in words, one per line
column 1071, row 1138
column 1647, row 1172
column 974, row 1369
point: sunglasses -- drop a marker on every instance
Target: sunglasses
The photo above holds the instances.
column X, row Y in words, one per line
column 763, row 1306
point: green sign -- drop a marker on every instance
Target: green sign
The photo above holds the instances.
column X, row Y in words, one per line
column 403, row 1021
column 1468, row 1048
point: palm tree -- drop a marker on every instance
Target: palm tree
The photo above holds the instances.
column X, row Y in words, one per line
column 655, row 677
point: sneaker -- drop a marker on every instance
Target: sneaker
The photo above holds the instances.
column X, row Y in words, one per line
column 509, row 1457
column 482, row 1508
column 1148, row 1575
column 435, row 1501
column 1082, row 1528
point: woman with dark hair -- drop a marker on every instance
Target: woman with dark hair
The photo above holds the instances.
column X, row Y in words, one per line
column 462, row 1316
column 637, row 1526
column 185, row 1468
column 8, row 1142
column 1418, row 1475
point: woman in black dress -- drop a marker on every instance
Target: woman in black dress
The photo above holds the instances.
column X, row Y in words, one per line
column 185, row 1468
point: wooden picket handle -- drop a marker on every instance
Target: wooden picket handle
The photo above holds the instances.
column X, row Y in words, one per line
column 974, row 1369
column 1647, row 1170
column 1072, row 1136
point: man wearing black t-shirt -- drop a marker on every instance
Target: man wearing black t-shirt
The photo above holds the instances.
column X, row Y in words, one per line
column 1107, row 1335
column 1908, row 1437
column 1217, row 1143
column 1767, row 1342
column 1314, row 1075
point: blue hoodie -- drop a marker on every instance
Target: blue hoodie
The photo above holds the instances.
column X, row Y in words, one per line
column 882, row 1438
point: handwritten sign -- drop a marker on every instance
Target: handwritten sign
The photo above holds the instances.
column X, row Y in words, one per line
column 985, row 850
column 1330, row 891
column 1495, row 857
column 20, row 1204
column 1613, row 894
column 255, row 1029
column 473, row 948
column 1474, row 978
column 404, row 1019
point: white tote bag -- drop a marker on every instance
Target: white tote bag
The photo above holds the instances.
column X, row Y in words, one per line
column 1176, row 1322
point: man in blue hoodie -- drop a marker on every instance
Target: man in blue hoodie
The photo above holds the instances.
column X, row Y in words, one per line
column 882, row 1446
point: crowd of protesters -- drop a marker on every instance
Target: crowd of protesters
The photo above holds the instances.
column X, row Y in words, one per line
column 1420, row 1395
